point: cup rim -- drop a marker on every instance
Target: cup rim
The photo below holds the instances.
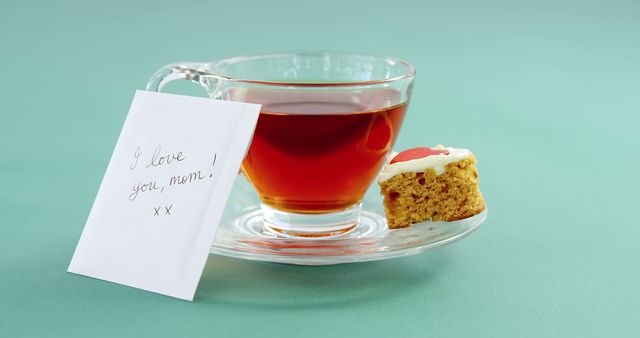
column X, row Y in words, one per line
column 410, row 73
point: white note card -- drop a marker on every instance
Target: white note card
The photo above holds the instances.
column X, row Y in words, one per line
column 162, row 196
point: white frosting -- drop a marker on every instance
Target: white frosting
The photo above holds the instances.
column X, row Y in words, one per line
column 437, row 162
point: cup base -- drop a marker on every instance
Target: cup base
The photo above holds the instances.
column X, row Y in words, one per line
column 311, row 225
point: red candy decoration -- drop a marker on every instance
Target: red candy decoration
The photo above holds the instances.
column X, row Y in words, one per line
column 415, row 153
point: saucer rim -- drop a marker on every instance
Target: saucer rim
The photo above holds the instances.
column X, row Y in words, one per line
column 476, row 221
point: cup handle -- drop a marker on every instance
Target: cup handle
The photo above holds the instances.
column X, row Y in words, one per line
column 192, row 71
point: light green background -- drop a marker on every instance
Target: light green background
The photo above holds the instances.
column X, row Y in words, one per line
column 547, row 94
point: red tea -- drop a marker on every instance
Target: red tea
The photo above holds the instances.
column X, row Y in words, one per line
column 313, row 154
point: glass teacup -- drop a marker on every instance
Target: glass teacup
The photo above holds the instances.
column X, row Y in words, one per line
column 327, row 122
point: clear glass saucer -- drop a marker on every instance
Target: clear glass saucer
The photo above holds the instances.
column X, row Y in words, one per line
column 242, row 235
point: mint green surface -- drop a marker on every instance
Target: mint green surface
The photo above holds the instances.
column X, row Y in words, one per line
column 546, row 93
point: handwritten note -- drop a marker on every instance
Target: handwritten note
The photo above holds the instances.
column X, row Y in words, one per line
column 162, row 196
column 158, row 159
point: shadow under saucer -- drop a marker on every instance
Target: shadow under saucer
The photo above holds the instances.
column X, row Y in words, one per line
column 271, row 285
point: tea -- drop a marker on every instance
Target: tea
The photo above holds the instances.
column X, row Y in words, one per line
column 316, row 154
